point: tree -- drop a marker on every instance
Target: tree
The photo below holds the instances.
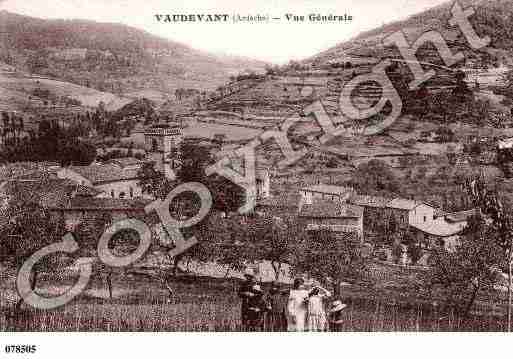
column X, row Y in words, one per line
column 154, row 182
column 29, row 228
column 374, row 176
column 271, row 239
column 76, row 152
column 414, row 252
column 330, row 259
column 194, row 159
column 37, row 61
column 451, row 155
column 52, row 143
column 392, row 226
column 397, row 252
column 444, row 134
column 227, row 196
column 88, row 233
column 221, row 240
column 468, row 269
column 501, row 221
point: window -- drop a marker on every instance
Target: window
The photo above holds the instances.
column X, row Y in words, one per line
column 425, row 218
column 131, row 192
column 112, row 193
column 121, row 194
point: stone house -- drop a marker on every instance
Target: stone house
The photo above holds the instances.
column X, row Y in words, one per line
column 332, row 215
column 79, row 209
column 282, row 205
column 406, row 211
column 67, row 200
column 112, row 180
column 411, row 211
column 325, row 192
column 444, row 230
column 375, row 210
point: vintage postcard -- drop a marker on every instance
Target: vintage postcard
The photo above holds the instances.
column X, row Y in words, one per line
column 258, row 166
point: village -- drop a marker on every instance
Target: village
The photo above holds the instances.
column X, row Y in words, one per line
column 322, row 192
column 408, row 227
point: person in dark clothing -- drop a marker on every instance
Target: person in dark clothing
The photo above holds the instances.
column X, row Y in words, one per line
column 246, row 293
column 276, row 319
column 335, row 317
column 257, row 307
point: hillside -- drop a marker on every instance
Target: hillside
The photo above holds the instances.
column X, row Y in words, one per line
column 110, row 57
column 493, row 18
column 18, row 92
column 280, row 94
column 465, row 100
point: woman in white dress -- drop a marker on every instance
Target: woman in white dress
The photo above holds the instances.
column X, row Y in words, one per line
column 297, row 307
column 316, row 313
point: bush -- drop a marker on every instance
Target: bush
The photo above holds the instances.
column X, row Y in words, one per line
column 397, row 252
column 415, row 253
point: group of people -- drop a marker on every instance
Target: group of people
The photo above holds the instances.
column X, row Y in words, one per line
column 297, row 309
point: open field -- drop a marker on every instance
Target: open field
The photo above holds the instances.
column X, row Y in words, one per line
column 208, row 304
column 22, row 85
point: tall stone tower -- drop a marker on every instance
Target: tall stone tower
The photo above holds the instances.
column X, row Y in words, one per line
column 163, row 143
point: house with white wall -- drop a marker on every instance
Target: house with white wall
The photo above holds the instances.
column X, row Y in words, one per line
column 112, row 180
column 414, row 212
column 444, row 230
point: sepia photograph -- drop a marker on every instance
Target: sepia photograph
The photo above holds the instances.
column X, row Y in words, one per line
column 328, row 167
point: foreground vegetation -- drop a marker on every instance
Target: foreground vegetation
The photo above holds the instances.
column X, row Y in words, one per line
column 209, row 304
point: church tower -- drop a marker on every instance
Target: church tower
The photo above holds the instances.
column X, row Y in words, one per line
column 163, row 143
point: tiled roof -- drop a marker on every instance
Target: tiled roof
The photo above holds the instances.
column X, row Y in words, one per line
column 237, row 164
column 330, row 209
column 369, row 201
column 460, row 216
column 126, row 162
column 104, row 173
column 440, row 227
column 328, row 189
column 103, row 204
column 28, row 170
column 282, row 200
column 401, row 203
column 382, row 202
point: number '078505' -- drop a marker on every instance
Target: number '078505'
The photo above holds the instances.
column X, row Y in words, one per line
column 20, row 349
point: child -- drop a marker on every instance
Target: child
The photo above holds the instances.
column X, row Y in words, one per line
column 336, row 320
column 297, row 307
column 316, row 313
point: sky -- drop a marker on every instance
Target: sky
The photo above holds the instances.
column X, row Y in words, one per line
column 277, row 42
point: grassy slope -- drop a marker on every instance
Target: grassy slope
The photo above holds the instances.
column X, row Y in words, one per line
column 210, row 304
column 133, row 55
column 17, row 87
